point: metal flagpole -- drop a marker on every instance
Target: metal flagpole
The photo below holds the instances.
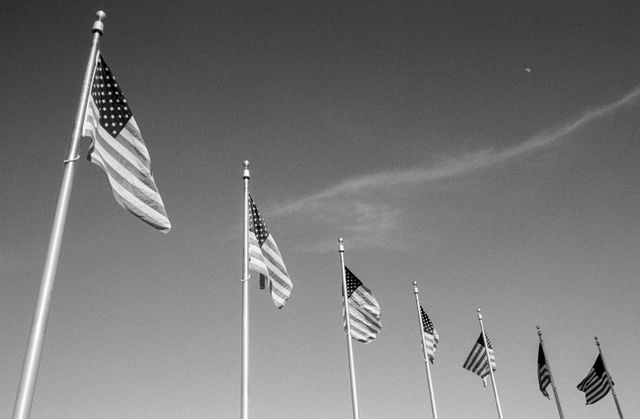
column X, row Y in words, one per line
column 609, row 378
column 244, row 397
column 553, row 384
column 352, row 372
column 426, row 356
column 24, row 397
column 493, row 379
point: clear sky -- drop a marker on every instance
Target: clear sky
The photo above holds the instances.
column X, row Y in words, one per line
column 487, row 150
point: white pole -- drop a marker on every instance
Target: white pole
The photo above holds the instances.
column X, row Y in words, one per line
column 553, row 384
column 424, row 350
column 493, row 378
column 244, row 397
column 352, row 372
column 613, row 392
column 24, row 397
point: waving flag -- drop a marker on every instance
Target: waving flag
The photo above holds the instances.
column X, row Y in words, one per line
column 596, row 384
column 544, row 376
column 364, row 310
column 265, row 258
column 118, row 148
column 430, row 335
column 477, row 362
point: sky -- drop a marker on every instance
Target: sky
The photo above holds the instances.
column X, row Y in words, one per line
column 486, row 150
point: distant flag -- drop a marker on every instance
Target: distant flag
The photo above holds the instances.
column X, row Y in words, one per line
column 476, row 362
column 544, row 377
column 265, row 258
column 596, row 384
column 430, row 335
column 364, row 310
column 118, row 148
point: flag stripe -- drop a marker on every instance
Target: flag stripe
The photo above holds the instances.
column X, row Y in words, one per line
column 133, row 192
column 124, row 173
column 364, row 316
column 135, row 200
column 363, row 328
column 136, row 206
column 256, row 261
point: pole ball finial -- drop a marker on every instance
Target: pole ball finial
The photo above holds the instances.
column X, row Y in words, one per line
column 245, row 171
column 98, row 25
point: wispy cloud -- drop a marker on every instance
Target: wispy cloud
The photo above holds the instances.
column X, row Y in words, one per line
column 362, row 205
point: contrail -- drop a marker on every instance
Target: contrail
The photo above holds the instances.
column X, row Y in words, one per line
column 452, row 167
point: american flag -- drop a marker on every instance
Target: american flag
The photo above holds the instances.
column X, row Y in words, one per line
column 596, row 384
column 430, row 335
column 118, row 148
column 476, row 362
column 364, row 310
column 265, row 258
column 544, row 376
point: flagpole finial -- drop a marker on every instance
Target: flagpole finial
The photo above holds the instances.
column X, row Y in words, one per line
column 479, row 314
column 246, row 174
column 340, row 244
column 415, row 287
column 98, row 25
column 597, row 341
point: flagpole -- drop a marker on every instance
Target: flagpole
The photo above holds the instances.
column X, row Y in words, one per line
column 493, row 379
column 244, row 396
column 24, row 397
column 352, row 372
column 426, row 356
column 613, row 392
column 553, row 384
